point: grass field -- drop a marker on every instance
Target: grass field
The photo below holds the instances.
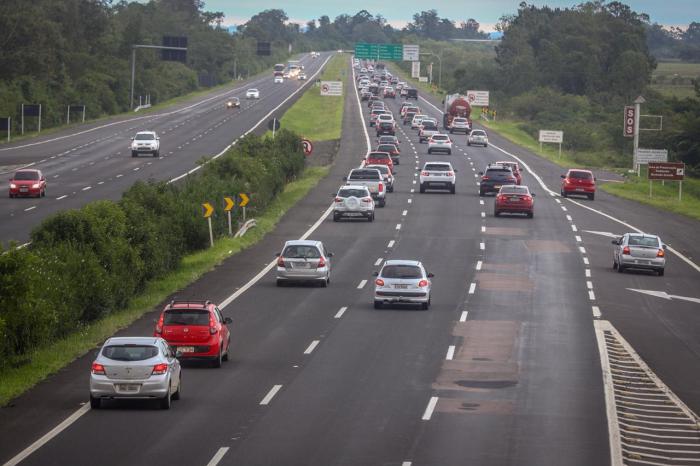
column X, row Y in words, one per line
column 49, row 359
column 675, row 78
column 318, row 117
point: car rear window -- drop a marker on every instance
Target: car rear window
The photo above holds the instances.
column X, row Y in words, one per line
column 383, row 169
column 301, row 252
column 186, row 317
column 477, row 132
column 353, row 193
column 437, row 167
column 401, row 271
column 386, row 148
column 429, row 125
column 129, row 352
column 440, row 137
column 145, row 137
column 648, row 241
column 515, row 190
column 499, row 171
column 580, row 175
column 26, row 175
column 364, row 175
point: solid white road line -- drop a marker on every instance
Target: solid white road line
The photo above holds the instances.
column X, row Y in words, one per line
column 463, row 317
column 218, row 456
column 312, row 347
column 450, row 353
column 430, row 408
column 270, row 395
column 362, row 284
column 596, row 312
column 62, row 197
column 340, row 313
column 472, row 288
column 391, row 244
column 49, row 435
column 378, row 261
column 478, row 265
column 30, row 208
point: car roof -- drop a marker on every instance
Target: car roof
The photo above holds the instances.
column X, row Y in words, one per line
column 302, row 242
column 643, row 235
column 437, row 162
column 148, row 131
column 27, row 170
column 132, row 341
column 582, row 170
column 401, row 262
column 441, row 134
column 252, row 89
column 353, row 186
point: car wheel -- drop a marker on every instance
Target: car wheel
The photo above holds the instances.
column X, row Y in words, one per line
column 371, row 218
column 660, row 272
column 563, row 193
column 280, row 283
column 422, row 188
column 429, row 152
column 486, row 145
column 620, row 268
column 166, row 401
column 134, row 153
column 614, row 264
column 377, row 304
column 11, row 196
column 530, row 214
column 156, row 153
column 449, row 152
column 324, row 282
column 176, row 395
column 451, row 132
column 390, row 189
column 336, row 217
column 591, row 196
column 453, row 189
column 95, row 403
column 382, row 203
column 496, row 213
column 228, row 348
column 481, row 193
column 216, row 362
column 425, row 306
column 469, row 144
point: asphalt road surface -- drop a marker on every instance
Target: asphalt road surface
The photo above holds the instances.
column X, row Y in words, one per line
column 93, row 161
column 504, row 369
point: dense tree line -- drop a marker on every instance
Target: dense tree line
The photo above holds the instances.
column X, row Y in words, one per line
column 669, row 43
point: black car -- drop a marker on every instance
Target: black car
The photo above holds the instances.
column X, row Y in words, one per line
column 385, row 127
column 412, row 94
column 495, row 177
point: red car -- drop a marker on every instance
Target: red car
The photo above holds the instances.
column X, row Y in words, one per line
column 389, row 92
column 379, row 158
column 393, row 151
column 515, row 168
column 578, row 182
column 196, row 329
column 514, row 199
column 28, row 182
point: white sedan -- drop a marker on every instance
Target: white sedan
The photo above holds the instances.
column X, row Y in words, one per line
column 252, row 94
column 440, row 143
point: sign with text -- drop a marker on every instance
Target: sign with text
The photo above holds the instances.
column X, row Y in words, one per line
column 629, row 122
column 415, row 70
column 423, row 79
column 644, row 156
column 332, row 88
column 379, row 51
column 673, row 171
column 551, row 136
column 411, row 52
column 478, row 98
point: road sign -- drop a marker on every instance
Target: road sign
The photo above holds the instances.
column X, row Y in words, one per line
column 670, row 171
column 230, row 203
column 423, row 79
column 411, row 53
column 208, row 210
column 379, row 51
column 308, row 146
column 273, row 125
column 478, row 98
column 332, row 88
column 243, row 199
column 551, row 136
column 644, row 156
column 629, row 122
column 415, row 69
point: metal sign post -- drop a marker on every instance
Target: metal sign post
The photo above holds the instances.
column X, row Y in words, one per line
column 227, row 208
column 635, row 144
column 208, row 210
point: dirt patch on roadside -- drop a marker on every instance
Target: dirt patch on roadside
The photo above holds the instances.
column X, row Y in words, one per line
column 324, row 153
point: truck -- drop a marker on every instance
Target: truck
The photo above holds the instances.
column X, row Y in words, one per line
column 372, row 178
column 455, row 105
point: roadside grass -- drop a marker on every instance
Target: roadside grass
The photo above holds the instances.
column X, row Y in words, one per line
column 674, row 78
column 317, row 117
column 47, row 360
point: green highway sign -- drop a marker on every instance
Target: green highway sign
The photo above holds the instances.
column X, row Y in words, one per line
column 379, row 51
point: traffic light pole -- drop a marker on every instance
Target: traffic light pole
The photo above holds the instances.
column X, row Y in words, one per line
column 133, row 64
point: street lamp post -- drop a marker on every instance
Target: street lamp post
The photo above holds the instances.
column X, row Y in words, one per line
column 439, row 57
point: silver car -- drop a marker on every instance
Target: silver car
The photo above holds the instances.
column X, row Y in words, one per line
column 460, row 124
column 639, row 251
column 353, row 202
column 304, row 260
column 440, row 143
column 438, row 175
column 135, row 368
column 478, row 136
column 402, row 282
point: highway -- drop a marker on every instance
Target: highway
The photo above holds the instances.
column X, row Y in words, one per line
column 93, row 161
column 506, row 368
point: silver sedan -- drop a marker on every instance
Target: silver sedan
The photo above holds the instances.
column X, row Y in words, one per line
column 639, row 251
column 402, row 282
column 304, row 260
column 135, row 368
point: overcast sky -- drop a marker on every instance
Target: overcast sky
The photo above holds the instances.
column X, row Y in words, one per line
column 399, row 12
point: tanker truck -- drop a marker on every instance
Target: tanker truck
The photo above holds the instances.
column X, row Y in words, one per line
column 456, row 105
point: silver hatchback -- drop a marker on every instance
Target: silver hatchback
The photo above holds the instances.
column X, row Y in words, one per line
column 639, row 251
column 304, row 260
column 402, row 282
column 135, row 368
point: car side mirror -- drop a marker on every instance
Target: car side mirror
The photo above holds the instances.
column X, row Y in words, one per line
column 345, row 178
column 277, row 254
column 614, row 242
column 663, row 246
column 375, row 274
column 481, row 173
column 533, row 194
column 330, row 254
column 132, row 139
column 178, row 353
column 563, row 176
column 228, row 320
column 431, row 275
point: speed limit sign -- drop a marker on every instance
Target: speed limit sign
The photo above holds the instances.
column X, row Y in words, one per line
column 308, row 147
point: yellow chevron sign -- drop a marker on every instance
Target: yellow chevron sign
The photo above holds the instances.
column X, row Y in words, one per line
column 208, row 209
column 230, row 203
column 243, row 199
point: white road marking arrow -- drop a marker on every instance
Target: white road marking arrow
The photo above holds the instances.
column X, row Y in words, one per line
column 664, row 295
column 603, row 233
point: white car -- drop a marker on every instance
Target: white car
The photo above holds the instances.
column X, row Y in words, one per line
column 354, row 201
column 402, row 282
column 417, row 120
column 278, row 79
column 478, row 136
column 440, row 143
column 438, row 175
column 145, row 142
column 302, row 76
column 385, row 117
column 252, row 94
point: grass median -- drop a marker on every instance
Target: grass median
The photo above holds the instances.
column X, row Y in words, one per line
column 47, row 360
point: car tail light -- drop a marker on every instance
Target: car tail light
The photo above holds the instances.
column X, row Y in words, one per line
column 484, row 178
column 660, row 253
column 337, row 199
column 422, row 283
column 626, row 250
column 98, row 369
column 159, row 325
column 381, row 187
column 160, row 369
column 425, row 174
column 379, row 282
column 450, row 173
column 213, row 328
column 367, row 199
column 280, row 261
column 321, row 263
column 500, row 197
column 511, row 179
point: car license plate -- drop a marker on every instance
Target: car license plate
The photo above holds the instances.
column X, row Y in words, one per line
column 23, row 190
column 401, row 286
column 580, row 189
column 353, row 214
column 186, row 349
column 514, row 198
column 127, row 387
column 301, row 265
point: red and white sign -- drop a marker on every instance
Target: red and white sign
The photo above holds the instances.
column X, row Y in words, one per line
column 478, row 98
column 629, row 122
column 308, row 147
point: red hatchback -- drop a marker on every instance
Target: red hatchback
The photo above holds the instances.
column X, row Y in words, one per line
column 28, row 183
column 196, row 329
column 379, row 158
column 578, row 182
column 514, row 199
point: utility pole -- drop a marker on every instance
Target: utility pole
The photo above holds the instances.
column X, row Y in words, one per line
column 133, row 64
column 635, row 145
column 439, row 57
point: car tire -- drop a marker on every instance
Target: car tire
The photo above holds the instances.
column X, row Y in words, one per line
column 280, row 283
column 530, row 214
column 325, row 282
column 43, row 192
column 429, row 152
column 620, row 268
column 496, row 213
column 134, row 153
column 422, row 188
column 449, row 152
column 216, row 362
column 469, row 144
column 563, row 193
column 382, row 202
column 390, row 189
column 95, row 403
column 11, row 196
column 336, row 217
column 660, row 272
column 451, row 132
column 371, row 218
column 425, row 306
column 481, row 193
column 591, row 196
column 614, row 267
column 485, row 146
column 156, row 153
column 166, row 401
column 176, row 395
column 377, row 304
column 228, row 348
column 453, row 189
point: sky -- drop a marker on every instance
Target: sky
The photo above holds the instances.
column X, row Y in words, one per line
column 400, row 12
